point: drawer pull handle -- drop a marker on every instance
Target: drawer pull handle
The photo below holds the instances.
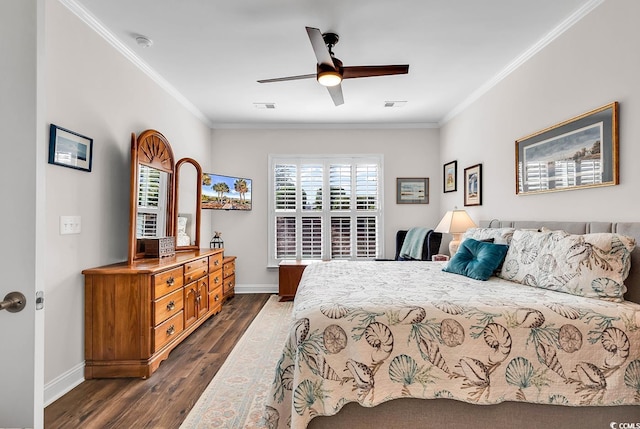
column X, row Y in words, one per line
column 171, row 330
column 189, row 279
column 205, row 262
column 170, row 281
column 171, row 305
column 216, row 280
column 216, row 298
column 216, row 262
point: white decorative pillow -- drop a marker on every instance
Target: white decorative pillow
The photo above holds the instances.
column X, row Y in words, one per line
column 590, row 265
column 499, row 235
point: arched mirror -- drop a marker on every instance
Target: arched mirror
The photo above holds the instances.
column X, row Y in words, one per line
column 155, row 204
column 157, row 208
column 151, row 205
column 188, row 204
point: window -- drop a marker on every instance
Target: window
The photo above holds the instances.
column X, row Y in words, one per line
column 307, row 222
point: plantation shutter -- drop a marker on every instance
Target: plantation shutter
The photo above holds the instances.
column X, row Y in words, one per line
column 310, row 223
column 366, row 201
column 150, row 202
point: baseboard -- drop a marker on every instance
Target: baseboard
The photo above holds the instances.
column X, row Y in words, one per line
column 63, row 384
column 256, row 288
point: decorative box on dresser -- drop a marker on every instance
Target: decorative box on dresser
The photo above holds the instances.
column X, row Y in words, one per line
column 135, row 314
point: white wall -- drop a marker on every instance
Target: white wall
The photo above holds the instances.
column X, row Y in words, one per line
column 93, row 90
column 407, row 153
column 594, row 63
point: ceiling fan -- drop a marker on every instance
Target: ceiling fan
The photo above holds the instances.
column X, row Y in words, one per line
column 330, row 71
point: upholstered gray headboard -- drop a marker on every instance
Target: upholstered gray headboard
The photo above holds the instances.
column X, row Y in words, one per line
column 631, row 229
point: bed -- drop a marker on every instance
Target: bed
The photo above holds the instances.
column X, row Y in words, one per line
column 370, row 341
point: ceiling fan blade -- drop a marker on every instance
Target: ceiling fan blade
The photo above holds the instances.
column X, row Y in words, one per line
column 336, row 94
column 282, row 79
column 319, row 47
column 370, row 71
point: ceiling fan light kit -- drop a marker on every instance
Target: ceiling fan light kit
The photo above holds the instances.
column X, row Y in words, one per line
column 330, row 71
column 329, row 78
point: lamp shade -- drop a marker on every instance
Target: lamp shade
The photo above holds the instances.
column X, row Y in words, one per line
column 455, row 222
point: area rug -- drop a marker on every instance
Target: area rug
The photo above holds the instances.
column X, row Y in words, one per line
column 236, row 396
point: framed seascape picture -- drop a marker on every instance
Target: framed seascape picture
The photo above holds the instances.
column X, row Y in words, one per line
column 450, row 176
column 70, row 149
column 473, row 185
column 412, row 190
column 581, row 152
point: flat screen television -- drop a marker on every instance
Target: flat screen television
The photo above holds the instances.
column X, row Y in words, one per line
column 225, row 192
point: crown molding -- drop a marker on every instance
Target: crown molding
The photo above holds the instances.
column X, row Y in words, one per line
column 524, row 57
column 323, row 126
column 97, row 26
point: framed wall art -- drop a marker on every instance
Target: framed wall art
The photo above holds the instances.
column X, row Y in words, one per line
column 473, row 185
column 412, row 190
column 450, row 176
column 70, row 149
column 581, row 152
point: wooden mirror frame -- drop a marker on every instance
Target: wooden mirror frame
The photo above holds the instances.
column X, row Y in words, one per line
column 195, row 164
column 150, row 148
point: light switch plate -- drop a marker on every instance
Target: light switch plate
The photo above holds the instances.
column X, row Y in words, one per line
column 70, row 225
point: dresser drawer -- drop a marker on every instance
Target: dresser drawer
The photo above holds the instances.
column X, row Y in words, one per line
column 167, row 306
column 195, row 269
column 215, row 262
column 229, row 269
column 167, row 331
column 215, row 299
column 215, row 280
column 228, row 285
column 167, row 282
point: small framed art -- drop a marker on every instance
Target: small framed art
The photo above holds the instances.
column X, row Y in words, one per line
column 70, row 149
column 412, row 190
column 450, row 176
column 473, row 185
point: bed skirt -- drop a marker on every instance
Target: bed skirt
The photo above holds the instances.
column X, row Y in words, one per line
column 451, row 414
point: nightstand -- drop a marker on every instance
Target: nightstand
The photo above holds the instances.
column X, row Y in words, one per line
column 289, row 275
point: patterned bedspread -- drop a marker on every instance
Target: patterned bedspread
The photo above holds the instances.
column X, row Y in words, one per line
column 375, row 331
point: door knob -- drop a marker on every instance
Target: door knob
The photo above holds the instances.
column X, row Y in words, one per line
column 13, row 302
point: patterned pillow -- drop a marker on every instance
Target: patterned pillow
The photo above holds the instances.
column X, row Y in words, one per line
column 590, row 265
column 499, row 235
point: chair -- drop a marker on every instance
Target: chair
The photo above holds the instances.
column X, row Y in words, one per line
column 430, row 247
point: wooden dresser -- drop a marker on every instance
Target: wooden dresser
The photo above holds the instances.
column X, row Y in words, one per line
column 229, row 277
column 135, row 314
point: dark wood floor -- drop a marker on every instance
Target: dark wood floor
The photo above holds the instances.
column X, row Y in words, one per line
column 165, row 399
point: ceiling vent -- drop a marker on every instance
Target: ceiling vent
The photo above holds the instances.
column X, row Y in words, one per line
column 394, row 103
column 264, row 105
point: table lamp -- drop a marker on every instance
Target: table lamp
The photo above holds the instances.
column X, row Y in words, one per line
column 455, row 222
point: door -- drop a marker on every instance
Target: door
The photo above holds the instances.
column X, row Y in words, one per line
column 22, row 216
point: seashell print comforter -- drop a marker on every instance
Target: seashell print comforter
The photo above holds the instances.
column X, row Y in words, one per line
column 375, row 331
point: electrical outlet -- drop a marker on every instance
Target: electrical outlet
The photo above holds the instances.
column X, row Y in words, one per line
column 70, row 225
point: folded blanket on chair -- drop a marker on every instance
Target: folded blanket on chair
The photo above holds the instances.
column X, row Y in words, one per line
column 413, row 242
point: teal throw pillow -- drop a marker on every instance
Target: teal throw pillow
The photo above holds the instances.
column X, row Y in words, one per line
column 477, row 259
